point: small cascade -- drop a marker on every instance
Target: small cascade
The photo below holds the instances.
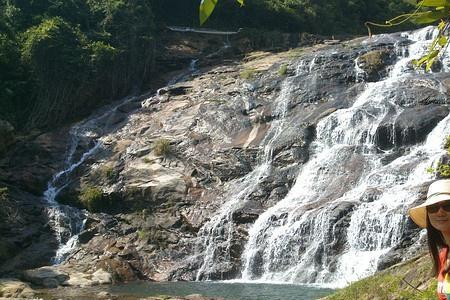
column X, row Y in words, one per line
column 348, row 206
column 216, row 235
column 192, row 70
column 66, row 221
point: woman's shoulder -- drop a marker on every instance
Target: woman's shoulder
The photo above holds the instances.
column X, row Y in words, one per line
column 443, row 252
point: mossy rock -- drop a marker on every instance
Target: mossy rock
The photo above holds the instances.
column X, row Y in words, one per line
column 94, row 200
column 375, row 62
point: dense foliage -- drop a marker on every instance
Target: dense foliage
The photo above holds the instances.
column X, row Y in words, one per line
column 61, row 58
column 320, row 16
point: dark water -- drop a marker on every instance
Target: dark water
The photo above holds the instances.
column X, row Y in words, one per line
column 229, row 291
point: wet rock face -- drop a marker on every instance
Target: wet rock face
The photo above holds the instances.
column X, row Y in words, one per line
column 166, row 167
column 30, row 163
column 27, row 240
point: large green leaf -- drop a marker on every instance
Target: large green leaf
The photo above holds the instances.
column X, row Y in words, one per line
column 206, row 9
column 429, row 64
column 429, row 16
column 434, row 3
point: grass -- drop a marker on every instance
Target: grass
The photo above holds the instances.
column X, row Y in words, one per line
column 294, row 53
column 92, row 198
column 247, row 73
column 397, row 282
column 108, row 173
column 143, row 234
column 218, row 101
column 387, row 287
column 162, row 147
column 443, row 170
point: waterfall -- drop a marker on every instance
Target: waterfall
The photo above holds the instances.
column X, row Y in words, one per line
column 345, row 190
column 66, row 221
column 192, row 70
column 216, row 235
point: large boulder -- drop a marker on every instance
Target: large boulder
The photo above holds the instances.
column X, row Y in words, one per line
column 411, row 126
column 49, row 277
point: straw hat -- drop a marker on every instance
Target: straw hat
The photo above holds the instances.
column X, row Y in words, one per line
column 437, row 192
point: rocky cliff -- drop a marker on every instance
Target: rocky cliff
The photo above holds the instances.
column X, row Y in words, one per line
column 176, row 180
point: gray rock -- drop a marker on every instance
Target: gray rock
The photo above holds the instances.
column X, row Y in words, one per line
column 49, row 277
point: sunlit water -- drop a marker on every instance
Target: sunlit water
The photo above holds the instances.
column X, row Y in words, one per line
column 225, row 290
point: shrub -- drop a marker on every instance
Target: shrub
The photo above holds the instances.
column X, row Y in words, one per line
column 92, row 198
column 282, row 70
column 443, row 170
column 143, row 234
column 108, row 173
column 162, row 147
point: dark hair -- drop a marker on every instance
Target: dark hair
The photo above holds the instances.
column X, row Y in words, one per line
column 435, row 243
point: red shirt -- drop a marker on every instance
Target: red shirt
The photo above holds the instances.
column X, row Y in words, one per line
column 443, row 288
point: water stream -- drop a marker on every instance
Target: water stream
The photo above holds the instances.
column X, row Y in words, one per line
column 85, row 141
column 349, row 200
column 216, row 235
column 297, row 239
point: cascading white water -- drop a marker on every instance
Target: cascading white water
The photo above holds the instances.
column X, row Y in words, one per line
column 66, row 221
column 296, row 240
column 192, row 70
column 216, row 235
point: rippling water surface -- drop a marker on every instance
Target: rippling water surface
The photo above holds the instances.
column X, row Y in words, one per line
column 227, row 290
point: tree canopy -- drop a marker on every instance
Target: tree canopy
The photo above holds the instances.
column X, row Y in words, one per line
column 61, row 58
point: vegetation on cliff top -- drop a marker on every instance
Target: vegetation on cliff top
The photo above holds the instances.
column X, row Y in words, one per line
column 60, row 59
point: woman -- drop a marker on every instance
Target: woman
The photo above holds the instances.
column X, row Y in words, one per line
column 434, row 215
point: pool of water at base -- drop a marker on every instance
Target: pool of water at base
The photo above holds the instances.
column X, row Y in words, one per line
column 226, row 290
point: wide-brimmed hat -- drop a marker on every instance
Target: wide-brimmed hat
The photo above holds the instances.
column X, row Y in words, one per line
column 437, row 192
